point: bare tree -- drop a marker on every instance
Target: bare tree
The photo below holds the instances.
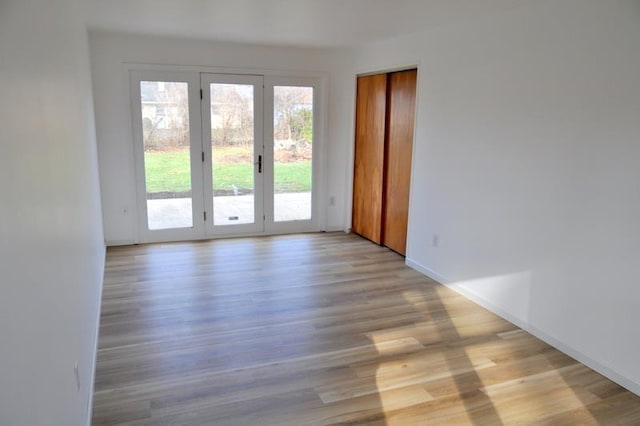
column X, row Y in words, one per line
column 288, row 100
column 165, row 114
column 232, row 117
column 178, row 114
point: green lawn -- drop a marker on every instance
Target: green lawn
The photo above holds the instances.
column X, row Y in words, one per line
column 168, row 171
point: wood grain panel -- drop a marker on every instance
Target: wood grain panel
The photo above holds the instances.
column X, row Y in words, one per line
column 320, row 329
column 401, row 104
column 369, row 156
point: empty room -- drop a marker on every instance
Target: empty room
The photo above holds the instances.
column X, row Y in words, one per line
column 298, row 212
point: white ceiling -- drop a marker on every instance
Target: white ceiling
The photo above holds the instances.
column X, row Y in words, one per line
column 321, row 23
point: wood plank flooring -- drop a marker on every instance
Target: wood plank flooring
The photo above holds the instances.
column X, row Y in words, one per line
column 321, row 329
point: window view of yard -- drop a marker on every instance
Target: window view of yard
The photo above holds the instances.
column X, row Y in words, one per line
column 167, row 176
column 165, row 128
column 293, row 136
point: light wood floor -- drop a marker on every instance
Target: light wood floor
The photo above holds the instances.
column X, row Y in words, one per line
column 321, row 329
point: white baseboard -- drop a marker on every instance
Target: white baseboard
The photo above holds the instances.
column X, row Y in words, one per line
column 606, row 371
column 335, row 229
column 113, row 243
column 92, row 379
column 425, row 271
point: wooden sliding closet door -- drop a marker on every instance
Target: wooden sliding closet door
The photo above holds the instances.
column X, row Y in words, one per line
column 401, row 103
column 368, row 179
column 385, row 115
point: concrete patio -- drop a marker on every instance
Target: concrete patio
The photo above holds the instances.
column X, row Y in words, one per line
column 227, row 210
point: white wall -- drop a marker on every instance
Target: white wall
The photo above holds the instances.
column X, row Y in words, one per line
column 51, row 240
column 110, row 54
column 527, row 167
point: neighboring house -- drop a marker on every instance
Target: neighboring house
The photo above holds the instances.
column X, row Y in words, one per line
column 164, row 114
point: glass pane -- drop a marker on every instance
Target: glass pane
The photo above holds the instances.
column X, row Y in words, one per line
column 292, row 151
column 232, row 143
column 167, row 160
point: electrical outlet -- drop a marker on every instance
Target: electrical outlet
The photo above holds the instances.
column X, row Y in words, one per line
column 332, row 201
column 76, row 374
column 435, row 241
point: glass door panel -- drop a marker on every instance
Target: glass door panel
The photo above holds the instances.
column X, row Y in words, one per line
column 232, row 124
column 167, row 157
column 292, row 152
column 232, row 147
column 167, row 148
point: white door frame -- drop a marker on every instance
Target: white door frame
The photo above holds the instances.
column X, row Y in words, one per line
column 195, row 145
column 201, row 180
column 271, row 226
column 258, row 153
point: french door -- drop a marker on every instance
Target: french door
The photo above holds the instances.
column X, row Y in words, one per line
column 232, row 128
column 224, row 154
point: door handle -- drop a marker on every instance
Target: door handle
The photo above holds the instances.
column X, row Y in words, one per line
column 259, row 163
